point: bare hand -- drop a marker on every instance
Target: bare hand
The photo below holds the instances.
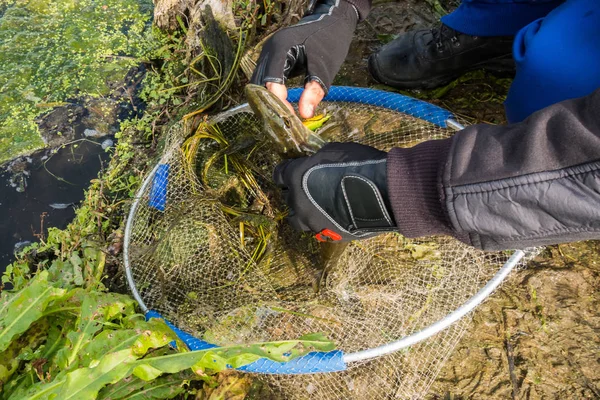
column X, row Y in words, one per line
column 311, row 97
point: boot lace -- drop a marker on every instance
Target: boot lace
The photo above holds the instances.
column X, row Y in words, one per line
column 443, row 34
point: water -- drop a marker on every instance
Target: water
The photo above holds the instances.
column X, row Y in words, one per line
column 45, row 193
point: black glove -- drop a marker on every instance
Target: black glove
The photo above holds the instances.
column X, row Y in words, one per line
column 315, row 47
column 340, row 192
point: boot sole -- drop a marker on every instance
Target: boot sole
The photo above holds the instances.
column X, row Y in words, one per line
column 500, row 64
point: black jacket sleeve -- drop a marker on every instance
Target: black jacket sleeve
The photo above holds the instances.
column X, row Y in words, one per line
column 501, row 187
column 362, row 7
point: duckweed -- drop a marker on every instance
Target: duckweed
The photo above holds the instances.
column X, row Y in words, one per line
column 52, row 51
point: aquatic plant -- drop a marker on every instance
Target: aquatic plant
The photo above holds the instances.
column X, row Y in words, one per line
column 62, row 338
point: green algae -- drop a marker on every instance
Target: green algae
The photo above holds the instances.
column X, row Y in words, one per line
column 55, row 50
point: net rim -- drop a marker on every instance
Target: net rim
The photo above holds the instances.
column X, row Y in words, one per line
column 376, row 352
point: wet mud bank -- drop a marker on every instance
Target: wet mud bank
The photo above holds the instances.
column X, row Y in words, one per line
column 538, row 337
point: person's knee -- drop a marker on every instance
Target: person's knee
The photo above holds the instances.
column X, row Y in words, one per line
column 557, row 58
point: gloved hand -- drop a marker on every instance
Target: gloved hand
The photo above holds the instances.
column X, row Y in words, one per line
column 340, row 193
column 315, row 47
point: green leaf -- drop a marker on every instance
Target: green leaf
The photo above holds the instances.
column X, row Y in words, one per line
column 85, row 383
column 140, row 339
column 108, row 342
column 153, row 335
column 82, row 383
column 319, row 341
column 77, row 271
column 19, row 310
column 123, row 389
column 98, row 357
column 62, row 273
column 147, row 372
column 88, row 324
column 222, row 358
column 115, row 305
column 95, row 260
column 96, row 310
column 57, row 336
column 22, row 349
column 18, row 384
column 132, row 388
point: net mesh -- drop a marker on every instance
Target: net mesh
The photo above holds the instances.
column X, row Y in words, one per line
column 210, row 252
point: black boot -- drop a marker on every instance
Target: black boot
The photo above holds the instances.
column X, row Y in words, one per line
column 432, row 57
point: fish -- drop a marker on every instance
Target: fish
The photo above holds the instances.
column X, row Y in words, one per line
column 292, row 138
column 288, row 134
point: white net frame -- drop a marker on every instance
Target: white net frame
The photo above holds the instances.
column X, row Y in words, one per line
column 387, row 355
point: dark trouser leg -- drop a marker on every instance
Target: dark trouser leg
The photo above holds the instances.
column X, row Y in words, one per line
column 557, row 57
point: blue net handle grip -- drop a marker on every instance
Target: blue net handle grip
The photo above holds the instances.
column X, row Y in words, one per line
column 311, row 363
column 380, row 98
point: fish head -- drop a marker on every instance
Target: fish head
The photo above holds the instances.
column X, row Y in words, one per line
column 281, row 124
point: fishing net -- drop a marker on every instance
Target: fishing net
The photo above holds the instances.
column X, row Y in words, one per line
column 207, row 249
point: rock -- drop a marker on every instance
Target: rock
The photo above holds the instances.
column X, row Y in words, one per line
column 20, row 246
column 57, row 127
column 19, row 173
column 107, row 144
column 91, row 133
